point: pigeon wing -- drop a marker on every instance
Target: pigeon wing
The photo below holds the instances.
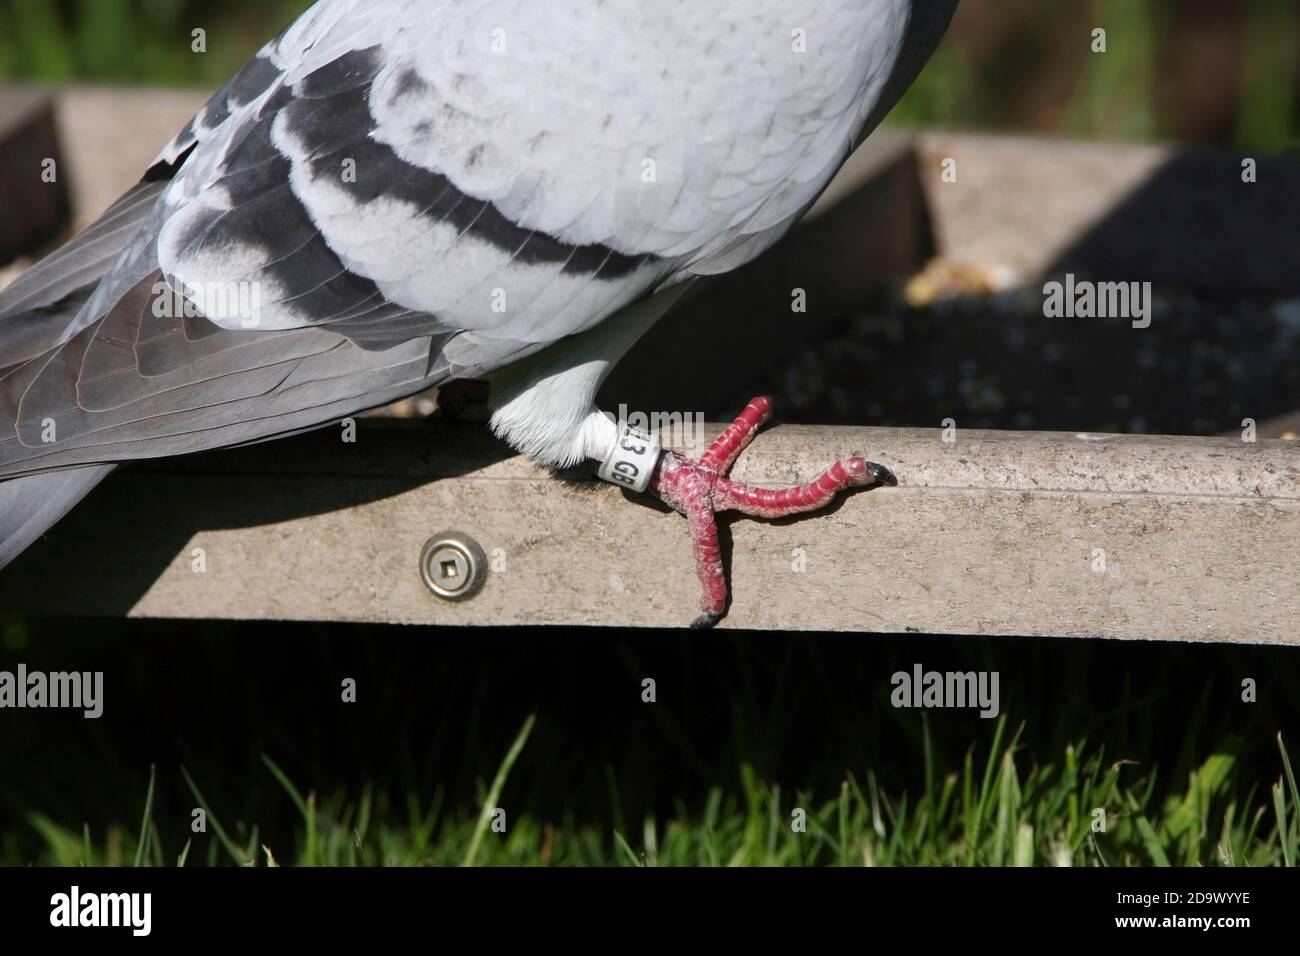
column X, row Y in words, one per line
column 397, row 192
column 235, row 314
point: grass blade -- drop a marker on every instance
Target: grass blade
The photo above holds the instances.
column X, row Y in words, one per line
column 144, row 822
column 287, row 784
column 627, row 850
column 216, row 824
column 494, row 794
column 1279, row 807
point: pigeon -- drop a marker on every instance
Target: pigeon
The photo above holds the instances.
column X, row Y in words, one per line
column 394, row 195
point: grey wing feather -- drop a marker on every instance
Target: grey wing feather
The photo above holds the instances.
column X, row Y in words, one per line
column 30, row 506
column 210, row 387
column 42, row 304
column 82, row 262
column 36, row 312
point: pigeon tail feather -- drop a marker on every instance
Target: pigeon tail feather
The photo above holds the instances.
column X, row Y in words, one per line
column 30, row 506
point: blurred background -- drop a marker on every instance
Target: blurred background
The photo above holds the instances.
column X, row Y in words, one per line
column 1203, row 71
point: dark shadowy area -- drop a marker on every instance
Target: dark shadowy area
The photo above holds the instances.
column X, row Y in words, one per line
column 1202, row 366
column 437, row 708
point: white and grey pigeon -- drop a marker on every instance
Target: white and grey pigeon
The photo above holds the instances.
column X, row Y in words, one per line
column 398, row 193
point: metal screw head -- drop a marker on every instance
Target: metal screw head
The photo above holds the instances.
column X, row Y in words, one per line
column 453, row 566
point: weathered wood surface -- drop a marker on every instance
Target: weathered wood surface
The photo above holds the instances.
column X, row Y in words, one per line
column 996, row 533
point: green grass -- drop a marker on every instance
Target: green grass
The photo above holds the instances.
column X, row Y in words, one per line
column 246, row 723
column 998, row 810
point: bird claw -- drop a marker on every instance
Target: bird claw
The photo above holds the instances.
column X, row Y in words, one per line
column 700, row 488
column 882, row 474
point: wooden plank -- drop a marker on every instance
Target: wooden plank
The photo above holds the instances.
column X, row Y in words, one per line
column 112, row 135
column 996, row 533
column 1170, row 215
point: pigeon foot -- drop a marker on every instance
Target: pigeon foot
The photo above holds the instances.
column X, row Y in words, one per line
column 700, row 488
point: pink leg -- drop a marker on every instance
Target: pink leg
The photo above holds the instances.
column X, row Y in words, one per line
column 726, row 448
column 699, row 489
column 770, row 503
column 687, row 487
